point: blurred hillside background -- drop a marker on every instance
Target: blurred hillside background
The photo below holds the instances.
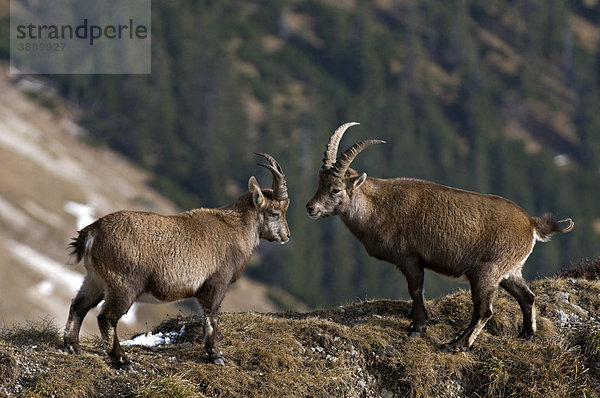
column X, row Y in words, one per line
column 494, row 96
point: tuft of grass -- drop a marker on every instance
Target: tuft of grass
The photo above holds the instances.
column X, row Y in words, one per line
column 172, row 386
column 543, row 368
column 492, row 368
column 493, row 376
column 376, row 345
column 34, row 332
column 592, row 344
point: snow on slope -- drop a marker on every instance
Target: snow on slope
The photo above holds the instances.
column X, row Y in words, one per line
column 58, row 277
column 51, row 185
column 85, row 213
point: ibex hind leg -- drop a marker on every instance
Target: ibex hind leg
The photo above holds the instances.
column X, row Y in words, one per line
column 483, row 295
column 89, row 295
column 517, row 287
column 114, row 308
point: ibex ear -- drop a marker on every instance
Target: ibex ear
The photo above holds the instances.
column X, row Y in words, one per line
column 358, row 181
column 257, row 196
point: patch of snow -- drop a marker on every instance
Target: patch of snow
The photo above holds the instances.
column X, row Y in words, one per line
column 85, row 214
column 562, row 160
column 32, row 85
column 45, row 288
column 151, row 340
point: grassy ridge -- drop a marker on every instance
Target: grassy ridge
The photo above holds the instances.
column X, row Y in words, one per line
column 360, row 349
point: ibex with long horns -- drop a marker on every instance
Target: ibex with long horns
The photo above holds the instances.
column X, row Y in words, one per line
column 199, row 253
column 416, row 224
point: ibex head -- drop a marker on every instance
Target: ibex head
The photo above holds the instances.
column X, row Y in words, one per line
column 337, row 182
column 272, row 204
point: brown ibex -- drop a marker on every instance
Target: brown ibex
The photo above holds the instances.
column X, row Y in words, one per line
column 131, row 255
column 416, row 224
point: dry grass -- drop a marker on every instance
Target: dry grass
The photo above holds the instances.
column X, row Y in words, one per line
column 38, row 332
column 360, row 349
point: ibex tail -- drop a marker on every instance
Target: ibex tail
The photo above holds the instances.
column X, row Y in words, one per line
column 547, row 225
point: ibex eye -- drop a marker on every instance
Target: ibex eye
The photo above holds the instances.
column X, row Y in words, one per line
column 335, row 191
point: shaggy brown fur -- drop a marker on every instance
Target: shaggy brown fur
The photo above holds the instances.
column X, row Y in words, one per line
column 418, row 224
column 131, row 255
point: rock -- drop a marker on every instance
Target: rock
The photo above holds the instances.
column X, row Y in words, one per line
column 582, row 311
column 561, row 316
column 9, row 369
column 562, row 297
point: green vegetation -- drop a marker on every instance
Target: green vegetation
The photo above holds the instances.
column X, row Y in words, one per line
column 479, row 95
column 360, row 349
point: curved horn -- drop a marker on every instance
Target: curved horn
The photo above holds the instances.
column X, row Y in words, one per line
column 343, row 162
column 331, row 149
column 279, row 183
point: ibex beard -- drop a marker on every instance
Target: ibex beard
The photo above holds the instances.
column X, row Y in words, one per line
column 416, row 224
column 131, row 255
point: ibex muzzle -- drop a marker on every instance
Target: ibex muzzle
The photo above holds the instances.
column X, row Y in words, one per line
column 418, row 224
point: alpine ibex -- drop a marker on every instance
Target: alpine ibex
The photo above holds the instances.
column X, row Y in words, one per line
column 130, row 255
column 416, row 224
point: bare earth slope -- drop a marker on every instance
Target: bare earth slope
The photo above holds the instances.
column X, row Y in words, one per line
column 51, row 184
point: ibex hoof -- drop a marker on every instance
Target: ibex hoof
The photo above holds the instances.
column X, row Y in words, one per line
column 121, row 362
column 452, row 348
column 122, row 365
column 219, row 361
column 126, row 366
column 216, row 357
column 415, row 330
column 73, row 349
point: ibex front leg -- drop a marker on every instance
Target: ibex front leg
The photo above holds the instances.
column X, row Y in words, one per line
column 210, row 297
column 413, row 271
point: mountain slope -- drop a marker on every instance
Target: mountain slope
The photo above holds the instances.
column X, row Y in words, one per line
column 51, row 184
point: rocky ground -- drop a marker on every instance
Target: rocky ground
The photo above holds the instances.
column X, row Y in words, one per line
column 357, row 350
